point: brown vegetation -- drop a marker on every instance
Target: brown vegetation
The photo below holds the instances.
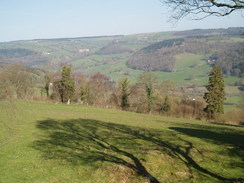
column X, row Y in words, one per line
column 100, row 90
column 233, row 116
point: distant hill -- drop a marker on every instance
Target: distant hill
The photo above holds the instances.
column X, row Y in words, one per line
column 161, row 56
column 113, row 48
column 119, row 56
column 232, row 31
column 15, row 53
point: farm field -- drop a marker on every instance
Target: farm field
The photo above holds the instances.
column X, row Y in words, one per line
column 50, row 143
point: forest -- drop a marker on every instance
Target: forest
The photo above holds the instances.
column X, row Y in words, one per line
column 161, row 56
column 15, row 53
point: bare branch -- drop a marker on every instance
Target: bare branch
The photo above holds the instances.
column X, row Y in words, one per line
column 204, row 8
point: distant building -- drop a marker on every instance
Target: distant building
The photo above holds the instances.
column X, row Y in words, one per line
column 211, row 61
column 46, row 53
column 83, row 50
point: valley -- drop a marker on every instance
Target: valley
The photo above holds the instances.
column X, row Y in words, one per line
column 184, row 57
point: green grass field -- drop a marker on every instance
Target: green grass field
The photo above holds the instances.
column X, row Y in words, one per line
column 71, row 143
column 190, row 69
column 189, row 61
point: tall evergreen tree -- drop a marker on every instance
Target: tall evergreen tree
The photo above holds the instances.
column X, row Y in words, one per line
column 216, row 95
column 66, row 86
column 124, row 84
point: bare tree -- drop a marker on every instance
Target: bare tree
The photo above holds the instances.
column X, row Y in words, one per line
column 202, row 8
column 100, row 88
column 17, row 81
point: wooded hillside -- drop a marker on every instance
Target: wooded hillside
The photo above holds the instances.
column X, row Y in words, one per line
column 118, row 56
column 160, row 56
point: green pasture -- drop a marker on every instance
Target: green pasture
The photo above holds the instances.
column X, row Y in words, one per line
column 189, row 61
column 234, row 102
column 50, row 143
column 190, row 69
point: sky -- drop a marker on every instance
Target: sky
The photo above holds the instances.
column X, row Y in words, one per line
column 40, row 19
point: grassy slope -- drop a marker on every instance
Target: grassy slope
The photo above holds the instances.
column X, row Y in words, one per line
column 60, row 143
column 188, row 61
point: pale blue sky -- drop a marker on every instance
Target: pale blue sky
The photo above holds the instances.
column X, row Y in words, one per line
column 36, row 19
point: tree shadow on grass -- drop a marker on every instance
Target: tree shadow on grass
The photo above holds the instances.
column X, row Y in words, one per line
column 88, row 141
column 231, row 140
column 224, row 137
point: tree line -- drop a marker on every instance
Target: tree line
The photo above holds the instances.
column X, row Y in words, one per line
column 15, row 52
column 147, row 95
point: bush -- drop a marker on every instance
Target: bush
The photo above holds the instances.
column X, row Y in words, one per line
column 233, row 116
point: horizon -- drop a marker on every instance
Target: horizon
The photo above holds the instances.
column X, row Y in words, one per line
column 28, row 20
column 100, row 36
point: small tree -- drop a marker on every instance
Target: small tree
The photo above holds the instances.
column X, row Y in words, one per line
column 149, row 80
column 85, row 93
column 19, row 79
column 124, row 84
column 65, row 85
column 167, row 87
column 166, row 105
column 47, row 83
column 216, row 95
column 100, row 89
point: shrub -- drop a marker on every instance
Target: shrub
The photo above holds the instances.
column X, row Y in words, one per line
column 233, row 116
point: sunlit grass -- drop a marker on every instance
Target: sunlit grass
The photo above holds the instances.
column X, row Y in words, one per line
column 72, row 143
